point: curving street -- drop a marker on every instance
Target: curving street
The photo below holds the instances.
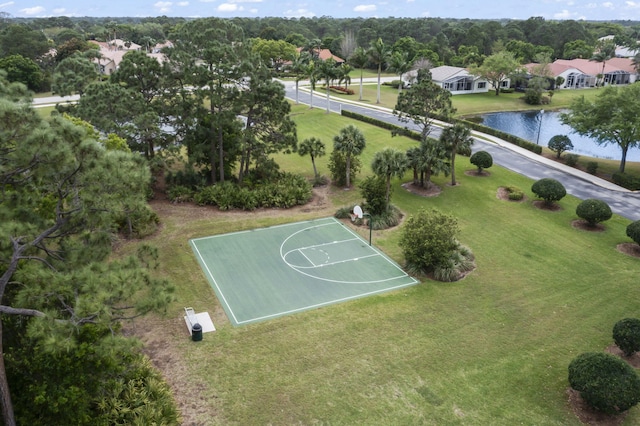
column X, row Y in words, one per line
column 579, row 184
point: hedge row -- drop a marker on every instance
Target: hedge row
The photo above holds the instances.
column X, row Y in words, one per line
column 475, row 126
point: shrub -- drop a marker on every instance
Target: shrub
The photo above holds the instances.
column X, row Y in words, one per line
column 482, row 160
column 571, row 160
column 625, row 180
column 560, row 144
column 550, row 190
column 592, row 167
column 180, row 194
column 626, row 334
column 633, row 231
column 594, row 211
column 605, row 382
column 374, row 190
column 515, row 194
column 429, row 245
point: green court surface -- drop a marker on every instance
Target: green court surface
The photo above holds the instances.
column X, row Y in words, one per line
column 271, row 272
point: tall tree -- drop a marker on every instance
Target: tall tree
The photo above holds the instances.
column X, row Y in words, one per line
column 610, row 118
column 18, row 39
column 22, row 70
column 269, row 128
column 359, row 59
column 388, row 163
column 429, row 158
column 456, row 138
column 421, row 102
column 350, row 142
column 378, row 54
column 207, row 55
column 298, row 67
column 63, row 195
column 496, row 69
column 73, row 75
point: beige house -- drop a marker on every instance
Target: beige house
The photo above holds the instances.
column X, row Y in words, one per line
column 112, row 52
column 581, row 73
column 455, row 79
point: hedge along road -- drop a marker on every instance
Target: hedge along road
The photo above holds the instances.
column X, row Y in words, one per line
column 579, row 184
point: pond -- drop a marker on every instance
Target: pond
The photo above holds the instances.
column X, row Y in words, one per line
column 540, row 127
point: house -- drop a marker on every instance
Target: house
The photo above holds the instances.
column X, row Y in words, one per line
column 455, row 79
column 112, row 52
column 581, row 73
column 325, row 54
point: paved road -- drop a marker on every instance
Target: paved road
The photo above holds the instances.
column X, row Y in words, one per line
column 510, row 156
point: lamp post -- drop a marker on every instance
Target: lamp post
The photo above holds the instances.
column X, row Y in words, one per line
column 539, row 126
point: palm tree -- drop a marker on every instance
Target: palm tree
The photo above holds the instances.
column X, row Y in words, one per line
column 350, row 142
column 311, row 71
column 344, row 75
column 359, row 59
column 313, row 47
column 327, row 70
column 314, row 147
column 606, row 51
column 456, row 138
column 388, row 163
column 298, row 67
column 378, row 54
column 399, row 63
column 428, row 159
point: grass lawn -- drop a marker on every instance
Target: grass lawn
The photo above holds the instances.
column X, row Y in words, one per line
column 476, row 103
column 490, row 349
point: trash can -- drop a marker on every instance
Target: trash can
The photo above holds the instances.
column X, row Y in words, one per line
column 196, row 332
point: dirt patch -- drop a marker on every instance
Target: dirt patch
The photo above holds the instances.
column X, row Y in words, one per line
column 633, row 360
column 630, row 249
column 584, row 226
column 553, row 207
column 589, row 416
column 474, row 172
column 429, row 191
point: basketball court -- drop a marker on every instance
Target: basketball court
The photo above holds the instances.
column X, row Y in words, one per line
column 281, row 270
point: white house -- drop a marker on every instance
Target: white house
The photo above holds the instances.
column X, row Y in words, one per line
column 455, row 79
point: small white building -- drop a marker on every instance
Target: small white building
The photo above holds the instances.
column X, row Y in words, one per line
column 455, row 79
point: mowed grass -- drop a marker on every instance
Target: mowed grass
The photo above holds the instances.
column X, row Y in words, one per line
column 491, row 349
column 472, row 104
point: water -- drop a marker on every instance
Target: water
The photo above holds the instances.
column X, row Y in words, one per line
column 536, row 127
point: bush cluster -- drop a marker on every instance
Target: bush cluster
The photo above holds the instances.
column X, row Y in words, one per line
column 626, row 334
column 343, row 90
column 605, row 382
column 515, row 193
column 633, row 231
column 287, row 191
column 592, row 167
column 482, row 160
column 571, row 159
column 626, row 180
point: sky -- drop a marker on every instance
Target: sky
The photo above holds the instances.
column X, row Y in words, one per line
column 475, row 9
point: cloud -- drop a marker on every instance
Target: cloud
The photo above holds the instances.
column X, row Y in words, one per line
column 565, row 14
column 299, row 13
column 632, row 4
column 163, row 6
column 229, row 7
column 59, row 11
column 365, row 8
column 9, row 3
column 607, row 4
column 33, row 10
column 183, row 3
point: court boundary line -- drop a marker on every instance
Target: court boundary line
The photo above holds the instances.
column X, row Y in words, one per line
column 332, row 221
